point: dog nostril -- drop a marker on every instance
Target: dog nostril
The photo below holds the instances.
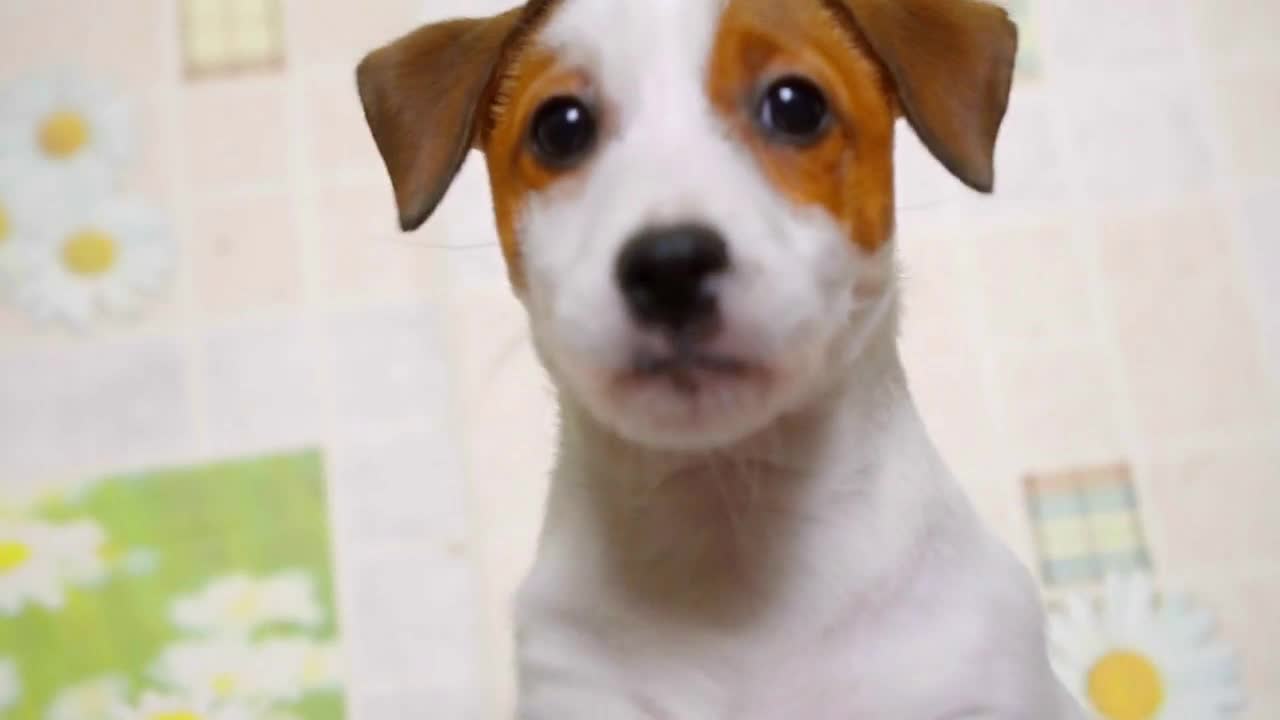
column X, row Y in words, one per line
column 664, row 272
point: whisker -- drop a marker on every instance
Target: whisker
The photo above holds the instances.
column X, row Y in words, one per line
column 920, row 207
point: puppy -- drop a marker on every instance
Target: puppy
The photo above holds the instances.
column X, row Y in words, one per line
column 695, row 200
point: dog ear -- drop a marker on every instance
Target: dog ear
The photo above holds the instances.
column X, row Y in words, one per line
column 424, row 98
column 951, row 63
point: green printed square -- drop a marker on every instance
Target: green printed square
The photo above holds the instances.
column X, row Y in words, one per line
column 203, row 593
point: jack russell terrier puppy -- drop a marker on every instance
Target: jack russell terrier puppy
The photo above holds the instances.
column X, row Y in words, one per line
column 695, row 200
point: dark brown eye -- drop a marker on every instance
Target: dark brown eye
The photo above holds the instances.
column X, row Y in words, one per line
column 794, row 110
column 563, row 131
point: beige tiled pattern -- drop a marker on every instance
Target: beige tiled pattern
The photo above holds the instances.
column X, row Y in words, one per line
column 1105, row 309
column 153, row 175
column 1137, row 136
column 1248, row 101
column 261, row 388
column 237, row 133
column 959, row 418
column 1233, row 30
column 1049, row 305
column 327, row 31
column 1262, row 258
column 124, row 46
column 1068, row 386
column 1183, row 324
column 338, row 143
column 935, row 319
column 362, row 253
column 1207, row 522
column 246, row 255
column 1103, row 34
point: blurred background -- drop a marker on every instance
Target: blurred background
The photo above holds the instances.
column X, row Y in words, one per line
column 260, row 450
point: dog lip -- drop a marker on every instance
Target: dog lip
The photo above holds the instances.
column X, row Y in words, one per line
column 687, row 372
column 648, row 365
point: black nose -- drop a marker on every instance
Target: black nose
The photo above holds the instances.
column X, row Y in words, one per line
column 664, row 272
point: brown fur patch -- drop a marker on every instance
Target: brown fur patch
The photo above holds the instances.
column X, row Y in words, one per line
column 534, row 77
column 849, row 171
column 951, row 63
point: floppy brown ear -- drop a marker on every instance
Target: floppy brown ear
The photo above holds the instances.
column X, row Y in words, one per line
column 423, row 97
column 951, row 62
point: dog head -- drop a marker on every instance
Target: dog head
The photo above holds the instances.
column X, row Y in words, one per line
column 694, row 197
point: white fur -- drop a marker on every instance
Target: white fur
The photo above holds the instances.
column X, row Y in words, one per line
column 765, row 550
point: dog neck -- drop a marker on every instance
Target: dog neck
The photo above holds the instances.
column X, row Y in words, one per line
column 827, row 503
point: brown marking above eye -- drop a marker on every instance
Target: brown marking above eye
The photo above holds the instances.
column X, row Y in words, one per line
column 847, row 168
column 536, row 77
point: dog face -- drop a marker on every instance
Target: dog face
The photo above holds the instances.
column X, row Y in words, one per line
column 694, row 197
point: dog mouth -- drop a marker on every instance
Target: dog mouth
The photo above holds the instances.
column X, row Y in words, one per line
column 687, row 370
column 694, row 395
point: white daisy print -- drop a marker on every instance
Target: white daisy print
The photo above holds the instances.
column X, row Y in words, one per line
column 28, row 568
column 93, row 261
column 13, row 226
column 312, row 666
column 240, row 605
column 223, row 669
column 86, row 554
column 38, row 561
column 26, row 202
column 155, row 706
column 10, row 684
column 1138, row 657
column 63, row 125
column 97, row 699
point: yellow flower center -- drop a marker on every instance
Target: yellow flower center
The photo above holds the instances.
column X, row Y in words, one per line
column 4, row 225
column 225, row 685
column 63, row 134
column 90, row 253
column 13, row 555
column 1125, row 685
column 110, row 552
column 177, row 715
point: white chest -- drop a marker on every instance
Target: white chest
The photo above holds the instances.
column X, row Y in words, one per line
column 940, row 651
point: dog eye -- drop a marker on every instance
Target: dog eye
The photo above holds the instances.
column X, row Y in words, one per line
column 563, row 131
column 793, row 109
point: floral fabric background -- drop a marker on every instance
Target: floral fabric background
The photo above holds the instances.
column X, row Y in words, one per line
column 199, row 591
column 261, row 456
